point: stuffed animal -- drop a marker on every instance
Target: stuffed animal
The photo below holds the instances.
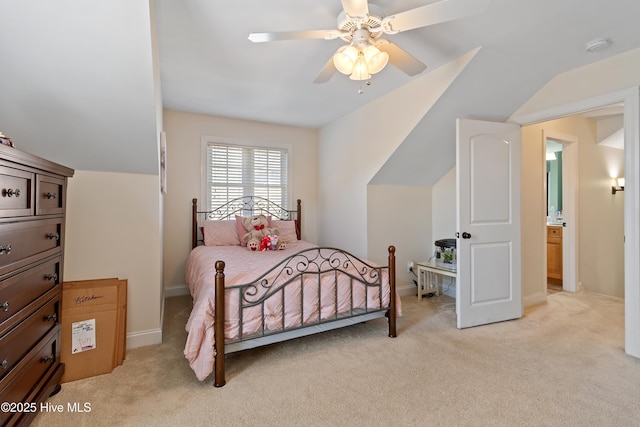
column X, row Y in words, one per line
column 265, row 245
column 273, row 242
column 257, row 228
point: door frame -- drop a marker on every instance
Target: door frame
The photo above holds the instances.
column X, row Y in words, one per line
column 631, row 99
column 570, row 185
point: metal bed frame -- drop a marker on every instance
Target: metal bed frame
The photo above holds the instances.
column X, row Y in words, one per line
column 291, row 272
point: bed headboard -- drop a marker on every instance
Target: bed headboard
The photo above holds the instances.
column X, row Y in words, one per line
column 244, row 206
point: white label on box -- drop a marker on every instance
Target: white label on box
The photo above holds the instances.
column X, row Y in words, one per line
column 83, row 336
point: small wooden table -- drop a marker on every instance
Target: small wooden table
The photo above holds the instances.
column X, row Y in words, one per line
column 427, row 280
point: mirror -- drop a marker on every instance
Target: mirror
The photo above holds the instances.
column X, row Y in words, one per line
column 554, row 181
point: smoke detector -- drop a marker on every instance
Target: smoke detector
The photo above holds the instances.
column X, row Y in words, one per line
column 597, row 45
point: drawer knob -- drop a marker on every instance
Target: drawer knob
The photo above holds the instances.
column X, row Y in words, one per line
column 5, row 306
column 5, row 249
column 50, row 195
column 51, row 276
column 53, row 236
column 53, row 317
column 10, row 192
column 4, row 364
column 49, row 359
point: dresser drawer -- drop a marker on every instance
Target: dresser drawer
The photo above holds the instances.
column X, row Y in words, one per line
column 16, row 344
column 19, row 385
column 16, row 292
column 16, row 190
column 50, row 193
column 22, row 243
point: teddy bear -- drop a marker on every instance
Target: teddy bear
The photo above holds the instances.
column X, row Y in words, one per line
column 257, row 228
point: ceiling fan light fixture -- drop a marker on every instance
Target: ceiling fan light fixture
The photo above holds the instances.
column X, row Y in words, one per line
column 360, row 69
column 361, row 25
column 345, row 58
column 375, row 59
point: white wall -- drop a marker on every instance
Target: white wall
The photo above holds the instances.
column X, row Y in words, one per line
column 444, row 207
column 399, row 216
column 184, row 132
column 609, row 75
column 113, row 229
column 533, row 216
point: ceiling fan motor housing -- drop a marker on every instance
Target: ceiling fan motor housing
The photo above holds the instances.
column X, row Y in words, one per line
column 349, row 25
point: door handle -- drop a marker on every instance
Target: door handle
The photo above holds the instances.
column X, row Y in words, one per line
column 466, row 235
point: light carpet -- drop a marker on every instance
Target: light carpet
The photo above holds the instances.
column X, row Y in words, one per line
column 562, row 364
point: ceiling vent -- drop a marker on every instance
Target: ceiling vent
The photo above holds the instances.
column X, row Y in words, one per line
column 597, row 45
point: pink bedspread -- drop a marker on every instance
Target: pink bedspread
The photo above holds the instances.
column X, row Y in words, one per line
column 242, row 267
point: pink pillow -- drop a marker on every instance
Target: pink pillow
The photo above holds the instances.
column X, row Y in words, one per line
column 287, row 229
column 220, row 233
column 241, row 231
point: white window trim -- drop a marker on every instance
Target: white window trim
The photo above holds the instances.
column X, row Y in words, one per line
column 208, row 139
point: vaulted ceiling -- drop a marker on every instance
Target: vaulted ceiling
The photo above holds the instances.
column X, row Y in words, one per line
column 79, row 83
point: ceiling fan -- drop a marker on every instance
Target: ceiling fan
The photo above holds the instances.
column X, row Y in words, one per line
column 361, row 25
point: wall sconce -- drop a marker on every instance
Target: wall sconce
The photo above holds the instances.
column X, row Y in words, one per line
column 618, row 187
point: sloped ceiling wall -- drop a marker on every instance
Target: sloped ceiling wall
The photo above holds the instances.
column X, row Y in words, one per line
column 77, row 83
column 482, row 91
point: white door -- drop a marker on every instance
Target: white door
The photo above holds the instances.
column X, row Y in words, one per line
column 488, row 200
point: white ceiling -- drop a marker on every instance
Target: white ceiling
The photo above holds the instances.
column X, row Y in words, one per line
column 77, row 77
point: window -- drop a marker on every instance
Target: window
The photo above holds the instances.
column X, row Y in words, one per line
column 235, row 171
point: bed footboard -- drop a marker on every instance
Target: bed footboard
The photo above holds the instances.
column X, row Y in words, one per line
column 360, row 277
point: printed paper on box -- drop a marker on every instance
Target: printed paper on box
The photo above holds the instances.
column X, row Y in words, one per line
column 83, row 336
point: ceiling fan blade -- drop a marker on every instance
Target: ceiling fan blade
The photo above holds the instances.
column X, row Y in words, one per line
column 356, row 8
column 326, row 73
column 434, row 13
column 400, row 58
column 294, row 35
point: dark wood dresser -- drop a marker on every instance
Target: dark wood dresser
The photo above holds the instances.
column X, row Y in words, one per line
column 32, row 221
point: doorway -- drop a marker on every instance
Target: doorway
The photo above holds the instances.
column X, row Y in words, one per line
column 555, row 215
column 631, row 100
column 562, row 207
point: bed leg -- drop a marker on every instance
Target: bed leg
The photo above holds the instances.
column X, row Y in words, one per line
column 218, row 365
column 194, row 223
column 392, row 292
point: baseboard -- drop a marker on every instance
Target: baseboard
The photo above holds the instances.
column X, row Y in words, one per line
column 408, row 290
column 144, row 338
column 537, row 298
column 176, row 291
column 449, row 290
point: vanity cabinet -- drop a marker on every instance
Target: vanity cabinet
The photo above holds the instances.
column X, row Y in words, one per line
column 554, row 254
column 32, row 222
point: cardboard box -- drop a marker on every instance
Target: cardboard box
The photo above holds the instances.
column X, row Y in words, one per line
column 93, row 319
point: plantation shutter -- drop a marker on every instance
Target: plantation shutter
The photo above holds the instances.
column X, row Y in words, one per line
column 235, row 171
